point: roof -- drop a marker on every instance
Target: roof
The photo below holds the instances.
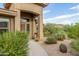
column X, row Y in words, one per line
column 7, row 5
column 42, row 4
column 7, row 12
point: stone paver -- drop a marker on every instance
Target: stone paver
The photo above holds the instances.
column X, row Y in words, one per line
column 35, row 49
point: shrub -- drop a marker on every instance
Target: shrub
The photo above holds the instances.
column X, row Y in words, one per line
column 50, row 28
column 73, row 31
column 13, row 44
column 63, row 48
column 51, row 40
column 54, row 29
column 60, row 35
column 75, row 47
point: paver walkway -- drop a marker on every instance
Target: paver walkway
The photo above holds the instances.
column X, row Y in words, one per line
column 36, row 49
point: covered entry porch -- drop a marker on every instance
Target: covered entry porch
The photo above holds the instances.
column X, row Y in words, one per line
column 21, row 20
column 29, row 22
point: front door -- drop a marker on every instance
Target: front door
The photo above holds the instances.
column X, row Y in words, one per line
column 25, row 25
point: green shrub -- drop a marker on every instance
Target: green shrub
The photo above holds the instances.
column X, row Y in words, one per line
column 13, row 44
column 75, row 45
column 50, row 28
column 73, row 31
column 60, row 35
column 51, row 40
column 54, row 29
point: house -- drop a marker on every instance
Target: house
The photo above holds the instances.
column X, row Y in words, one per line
column 26, row 17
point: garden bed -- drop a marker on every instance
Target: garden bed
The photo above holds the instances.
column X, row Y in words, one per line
column 53, row 49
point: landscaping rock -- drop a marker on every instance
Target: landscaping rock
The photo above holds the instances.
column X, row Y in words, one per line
column 63, row 48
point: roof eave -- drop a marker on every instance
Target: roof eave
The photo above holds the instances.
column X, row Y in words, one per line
column 7, row 5
column 42, row 4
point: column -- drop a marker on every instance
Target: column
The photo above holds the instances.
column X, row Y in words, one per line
column 17, row 21
column 12, row 25
column 40, row 27
column 33, row 28
column 30, row 20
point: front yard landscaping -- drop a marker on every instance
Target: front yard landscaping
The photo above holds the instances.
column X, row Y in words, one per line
column 53, row 49
column 13, row 44
column 59, row 41
column 58, row 34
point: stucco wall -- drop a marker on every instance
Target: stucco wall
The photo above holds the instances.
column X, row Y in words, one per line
column 27, row 6
column 31, row 8
column 12, row 7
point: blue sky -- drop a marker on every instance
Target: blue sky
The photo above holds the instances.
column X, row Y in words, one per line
column 61, row 13
column 1, row 5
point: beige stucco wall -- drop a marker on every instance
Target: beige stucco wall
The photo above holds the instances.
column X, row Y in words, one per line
column 27, row 6
column 30, row 8
column 12, row 7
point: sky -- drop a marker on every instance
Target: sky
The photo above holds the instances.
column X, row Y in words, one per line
column 1, row 5
column 61, row 13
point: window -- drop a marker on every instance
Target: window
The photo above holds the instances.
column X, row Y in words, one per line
column 3, row 27
column 3, row 24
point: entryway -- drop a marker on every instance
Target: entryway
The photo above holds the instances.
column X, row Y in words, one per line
column 29, row 23
column 25, row 25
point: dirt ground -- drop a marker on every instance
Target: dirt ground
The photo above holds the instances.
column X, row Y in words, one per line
column 53, row 49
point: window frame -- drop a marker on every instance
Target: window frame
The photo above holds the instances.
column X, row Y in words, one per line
column 5, row 19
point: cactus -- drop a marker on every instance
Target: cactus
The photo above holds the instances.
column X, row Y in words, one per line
column 63, row 48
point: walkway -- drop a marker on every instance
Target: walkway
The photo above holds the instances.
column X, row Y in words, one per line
column 36, row 49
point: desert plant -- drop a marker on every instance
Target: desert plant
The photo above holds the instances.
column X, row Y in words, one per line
column 60, row 35
column 73, row 31
column 50, row 28
column 54, row 29
column 75, row 47
column 51, row 40
column 13, row 44
column 63, row 48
